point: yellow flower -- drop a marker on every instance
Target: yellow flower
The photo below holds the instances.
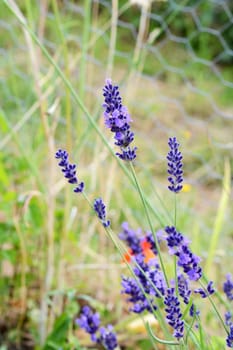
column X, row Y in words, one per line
column 186, row 188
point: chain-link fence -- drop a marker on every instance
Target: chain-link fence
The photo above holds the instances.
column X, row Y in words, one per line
column 179, row 52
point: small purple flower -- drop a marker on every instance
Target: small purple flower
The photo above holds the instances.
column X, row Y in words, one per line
column 174, row 239
column 89, row 321
column 205, row 293
column 156, row 276
column 228, row 287
column 229, row 339
column 108, row 338
column 190, row 263
column 178, row 245
column 131, row 237
column 228, row 318
column 175, row 171
column 174, row 315
column 118, row 120
column 193, row 311
column 99, row 208
column 132, row 288
column 69, row 170
column 183, row 288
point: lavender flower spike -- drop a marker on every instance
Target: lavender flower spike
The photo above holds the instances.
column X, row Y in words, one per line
column 174, row 315
column 175, row 171
column 108, row 338
column 118, row 120
column 229, row 339
column 89, row 321
column 99, row 208
column 69, row 170
column 205, row 293
column 228, row 287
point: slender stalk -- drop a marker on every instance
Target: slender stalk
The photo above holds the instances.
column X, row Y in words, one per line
column 113, row 37
column 23, row 270
column 83, row 63
column 215, row 308
column 149, row 221
column 175, row 257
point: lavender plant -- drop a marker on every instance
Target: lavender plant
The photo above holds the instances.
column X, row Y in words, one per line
column 90, row 322
column 150, row 255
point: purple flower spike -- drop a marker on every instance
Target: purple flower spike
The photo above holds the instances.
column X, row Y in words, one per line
column 69, row 170
column 99, row 208
column 131, row 237
column 178, row 245
column 89, row 321
column 108, row 338
column 183, row 288
column 193, row 311
column 118, row 120
column 228, row 318
column 174, row 315
column 229, row 339
column 175, row 171
column 228, row 287
column 205, row 293
column 136, row 296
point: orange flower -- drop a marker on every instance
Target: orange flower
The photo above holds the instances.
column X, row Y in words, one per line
column 127, row 256
column 148, row 254
column 145, row 245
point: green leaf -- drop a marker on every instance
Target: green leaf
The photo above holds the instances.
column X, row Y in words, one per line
column 59, row 334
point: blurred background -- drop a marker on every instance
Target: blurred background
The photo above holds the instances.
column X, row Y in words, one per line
column 173, row 61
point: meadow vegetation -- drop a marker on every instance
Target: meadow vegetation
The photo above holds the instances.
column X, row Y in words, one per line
column 55, row 255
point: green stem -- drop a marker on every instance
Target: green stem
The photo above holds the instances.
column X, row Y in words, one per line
column 149, row 220
column 214, row 306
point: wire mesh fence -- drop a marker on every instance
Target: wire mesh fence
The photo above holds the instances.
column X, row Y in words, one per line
column 183, row 48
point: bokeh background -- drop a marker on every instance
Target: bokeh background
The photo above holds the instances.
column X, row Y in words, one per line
column 173, row 61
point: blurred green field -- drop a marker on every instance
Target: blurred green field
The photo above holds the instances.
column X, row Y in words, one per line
column 174, row 64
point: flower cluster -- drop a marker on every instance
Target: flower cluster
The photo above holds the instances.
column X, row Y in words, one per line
column 175, row 171
column 149, row 281
column 229, row 339
column 90, row 322
column 149, row 287
column 139, row 301
column 205, row 293
column 100, row 209
column 69, row 170
column 184, row 288
column 138, row 242
column 131, row 237
column 178, row 246
column 174, row 315
column 117, row 119
column 228, row 287
column 228, row 290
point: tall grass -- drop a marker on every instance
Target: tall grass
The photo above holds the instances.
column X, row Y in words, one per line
column 55, row 236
